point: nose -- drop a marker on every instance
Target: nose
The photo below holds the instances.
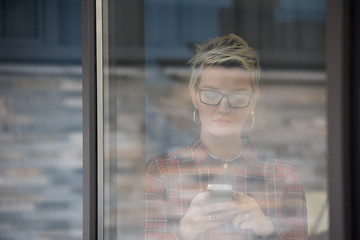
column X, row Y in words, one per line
column 224, row 106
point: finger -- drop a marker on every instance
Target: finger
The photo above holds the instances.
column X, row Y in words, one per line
column 228, row 208
column 241, row 218
column 231, row 207
column 214, row 222
column 223, row 216
column 201, row 198
column 219, row 206
column 247, row 207
column 242, row 197
column 248, row 225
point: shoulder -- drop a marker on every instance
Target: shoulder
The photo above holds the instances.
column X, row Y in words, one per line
column 175, row 158
column 267, row 162
column 275, row 166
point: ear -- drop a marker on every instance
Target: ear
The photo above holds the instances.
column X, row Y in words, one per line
column 193, row 94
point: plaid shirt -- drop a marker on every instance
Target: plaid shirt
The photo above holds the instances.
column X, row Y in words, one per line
column 174, row 179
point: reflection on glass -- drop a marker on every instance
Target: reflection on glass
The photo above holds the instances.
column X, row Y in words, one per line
column 267, row 198
column 278, row 169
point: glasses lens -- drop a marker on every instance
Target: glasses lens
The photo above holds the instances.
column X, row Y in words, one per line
column 239, row 101
column 210, row 97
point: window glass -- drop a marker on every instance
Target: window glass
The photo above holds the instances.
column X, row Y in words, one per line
column 163, row 144
column 41, row 130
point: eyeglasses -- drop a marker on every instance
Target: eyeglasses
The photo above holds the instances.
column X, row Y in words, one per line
column 235, row 100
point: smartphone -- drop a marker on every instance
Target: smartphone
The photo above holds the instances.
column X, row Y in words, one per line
column 220, row 192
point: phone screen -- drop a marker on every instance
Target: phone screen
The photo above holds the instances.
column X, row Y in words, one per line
column 220, row 192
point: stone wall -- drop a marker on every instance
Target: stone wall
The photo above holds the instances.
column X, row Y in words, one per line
column 40, row 153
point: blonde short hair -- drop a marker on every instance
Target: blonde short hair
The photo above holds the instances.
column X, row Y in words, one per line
column 226, row 51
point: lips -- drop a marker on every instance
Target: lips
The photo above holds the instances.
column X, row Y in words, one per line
column 222, row 121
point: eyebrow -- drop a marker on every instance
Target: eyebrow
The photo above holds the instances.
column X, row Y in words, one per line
column 216, row 89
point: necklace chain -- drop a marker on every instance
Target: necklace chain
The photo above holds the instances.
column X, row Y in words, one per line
column 218, row 158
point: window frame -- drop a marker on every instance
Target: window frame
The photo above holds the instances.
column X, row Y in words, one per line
column 338, row 118
column 338, row 59
column 90, row 167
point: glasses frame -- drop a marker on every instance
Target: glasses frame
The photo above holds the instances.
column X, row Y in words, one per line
column 224, row 95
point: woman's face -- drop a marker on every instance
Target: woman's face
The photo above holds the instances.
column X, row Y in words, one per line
column 222, row 120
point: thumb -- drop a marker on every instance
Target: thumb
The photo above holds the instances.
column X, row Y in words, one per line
column 247, row 225
column 201, row 198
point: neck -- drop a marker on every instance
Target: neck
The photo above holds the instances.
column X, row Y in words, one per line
column 226, row 148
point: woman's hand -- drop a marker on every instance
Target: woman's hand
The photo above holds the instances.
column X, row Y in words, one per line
column 244, row 211
column 250, row 216
column 203, row 215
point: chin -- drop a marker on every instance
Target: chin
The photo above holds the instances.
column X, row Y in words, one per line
column 228, row 131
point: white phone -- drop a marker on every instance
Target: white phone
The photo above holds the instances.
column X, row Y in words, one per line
column 220, row 192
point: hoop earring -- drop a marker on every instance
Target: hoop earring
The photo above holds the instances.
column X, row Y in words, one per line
column 196, row 116
column 252, row 121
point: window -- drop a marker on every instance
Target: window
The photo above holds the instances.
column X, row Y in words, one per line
column 147, row 109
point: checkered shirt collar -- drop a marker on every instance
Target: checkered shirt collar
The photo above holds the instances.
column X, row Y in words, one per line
column 199, row 152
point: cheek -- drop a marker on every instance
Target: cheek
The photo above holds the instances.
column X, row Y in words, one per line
column 241, row 118
column 243, row 115
column 206, row 111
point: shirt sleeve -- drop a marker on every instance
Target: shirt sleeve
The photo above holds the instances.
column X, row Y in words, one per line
column 158, row 223
column 292, row 220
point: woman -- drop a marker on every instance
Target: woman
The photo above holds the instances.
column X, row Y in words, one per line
column 267, row 199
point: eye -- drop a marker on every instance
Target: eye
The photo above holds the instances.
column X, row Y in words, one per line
column 210, row 97
column 239, row 100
